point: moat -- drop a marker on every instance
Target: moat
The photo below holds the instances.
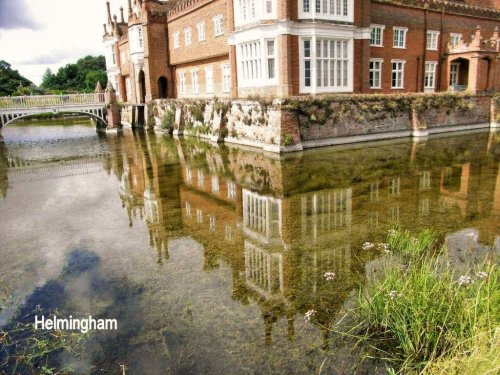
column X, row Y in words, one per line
column 209, row 256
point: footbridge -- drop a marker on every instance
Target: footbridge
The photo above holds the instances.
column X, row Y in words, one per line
column 92, row 105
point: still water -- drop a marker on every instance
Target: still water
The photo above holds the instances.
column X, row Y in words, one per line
column 209, row 255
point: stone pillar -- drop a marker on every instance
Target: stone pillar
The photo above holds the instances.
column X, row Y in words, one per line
column 419, row 125
column 286, row 126
column 219, row 129
column 179, row 121
column 473, row 74
column 113, row 111
column 495, row 113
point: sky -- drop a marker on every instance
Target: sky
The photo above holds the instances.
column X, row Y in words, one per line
column 40, row 34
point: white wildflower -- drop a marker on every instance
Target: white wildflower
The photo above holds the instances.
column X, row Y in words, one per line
column 308, row 315
column 368, row 246
column 464, row 280
column 329, row 275
column 393, row 294
column 392, row 232
column 481, row 275
column 384, row 247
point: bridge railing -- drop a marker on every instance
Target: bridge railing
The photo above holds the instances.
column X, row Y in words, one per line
column 21, row 102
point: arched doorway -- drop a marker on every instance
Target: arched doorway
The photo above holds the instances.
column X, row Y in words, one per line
column 162, row 88
column 142, row 87
column 141, row 98
column 459, row 74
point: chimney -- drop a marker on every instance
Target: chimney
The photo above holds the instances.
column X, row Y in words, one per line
column 122, row 16
column 129, row 8
column 109, row 11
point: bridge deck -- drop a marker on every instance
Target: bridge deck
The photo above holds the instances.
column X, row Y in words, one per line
column 12, row 108
column 42, row 101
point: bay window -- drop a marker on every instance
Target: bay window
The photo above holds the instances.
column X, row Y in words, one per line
column 257, row 62
column 337, row 10
column 326, row 65
column 136, row 39
column 249, row 11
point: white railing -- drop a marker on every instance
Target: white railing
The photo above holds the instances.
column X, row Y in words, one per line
column 21, row 102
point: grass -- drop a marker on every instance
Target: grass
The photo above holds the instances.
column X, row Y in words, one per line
column 419, row 316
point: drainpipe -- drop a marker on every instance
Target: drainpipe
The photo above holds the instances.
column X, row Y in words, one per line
column 440, row 52
column 424, row 55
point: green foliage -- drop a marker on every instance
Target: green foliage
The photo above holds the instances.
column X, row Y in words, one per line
column 27, row 350
column 287, row 140
column 420, row 312
column 335, row 108
column 81, row 76
column 13, row 83
column 168, row 119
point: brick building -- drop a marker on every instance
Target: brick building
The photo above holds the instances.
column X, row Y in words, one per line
column 237, row 48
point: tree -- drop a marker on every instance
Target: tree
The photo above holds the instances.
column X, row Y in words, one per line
column 11, row 80
column 93, row 77
column 81, row 76
column 48, row 79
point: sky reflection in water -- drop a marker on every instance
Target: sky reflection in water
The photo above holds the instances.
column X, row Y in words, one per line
column 208, row 255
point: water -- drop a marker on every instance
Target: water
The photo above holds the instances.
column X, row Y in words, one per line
column 209, row 255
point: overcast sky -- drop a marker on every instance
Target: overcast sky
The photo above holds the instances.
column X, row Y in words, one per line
column 40, row 34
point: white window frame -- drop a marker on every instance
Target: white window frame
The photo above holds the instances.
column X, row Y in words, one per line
column 454, row 36
column 270, row 57
column 314, row 88
column 226, row 78
column 188, row 36
column 398, row 29
column 403, row 63
column 432, row 40
column 209, row 79
column 251, row 11
column 201, row 31
column 379, row 70
column 253, row 63
column 218, row 25
column 343, row 10
column 381, row 28
column 177, row 38
column 136, row 39
column 430, row 71
column 454, row 73
column 182, row 82
column 195, row 81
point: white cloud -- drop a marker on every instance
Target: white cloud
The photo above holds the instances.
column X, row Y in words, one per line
column 57, row 33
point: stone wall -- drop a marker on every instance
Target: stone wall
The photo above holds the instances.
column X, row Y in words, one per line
column 285, row 125
column 475, row 110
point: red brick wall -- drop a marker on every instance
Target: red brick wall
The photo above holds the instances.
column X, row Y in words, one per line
column 212, row 46
column 155, row 58
column 484, row 3
column 215, row 62
column 414, row 54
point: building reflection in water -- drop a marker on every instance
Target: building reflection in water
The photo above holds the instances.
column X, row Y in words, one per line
column 281, row 224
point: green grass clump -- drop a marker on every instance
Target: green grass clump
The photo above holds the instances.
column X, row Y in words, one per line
column 424, row 317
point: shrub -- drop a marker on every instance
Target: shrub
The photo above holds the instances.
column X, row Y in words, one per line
column 168, row 119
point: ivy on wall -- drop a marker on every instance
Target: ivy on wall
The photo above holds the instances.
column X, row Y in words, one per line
column 336, row 108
